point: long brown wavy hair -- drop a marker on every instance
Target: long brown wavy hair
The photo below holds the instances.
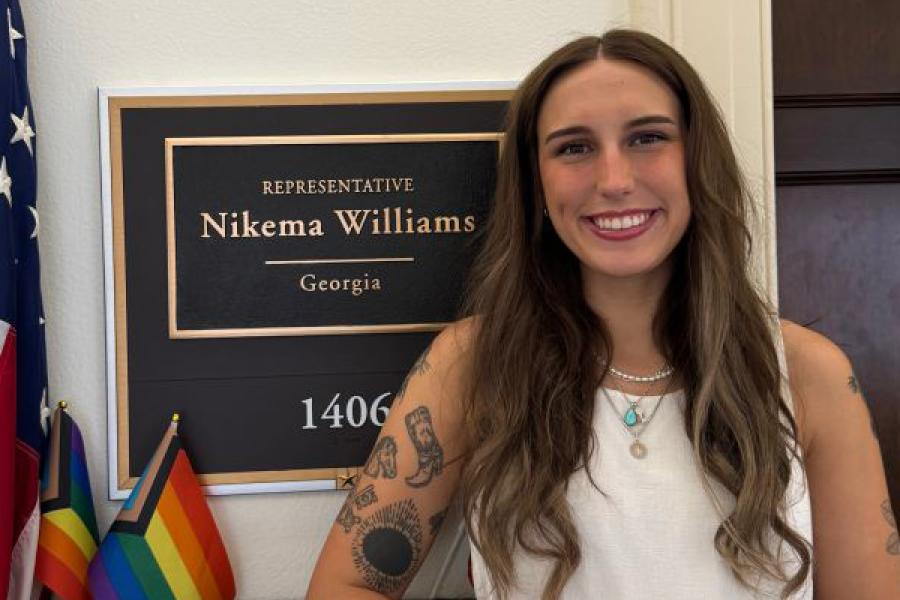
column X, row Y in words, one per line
column 535, row 370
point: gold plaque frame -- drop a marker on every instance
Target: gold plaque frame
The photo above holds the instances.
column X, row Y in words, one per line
column 112, row 102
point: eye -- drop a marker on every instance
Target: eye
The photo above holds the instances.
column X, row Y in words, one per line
column 648, row 138
column 573, row 149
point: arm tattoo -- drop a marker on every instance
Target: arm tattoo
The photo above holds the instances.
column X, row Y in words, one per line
column 365, row 498
column 383, row 460
column 387, row 546
column 893, row 541
column 346, row 517
column 436, row 521
column 429, row 451
column 419, row 367
column 853, row 384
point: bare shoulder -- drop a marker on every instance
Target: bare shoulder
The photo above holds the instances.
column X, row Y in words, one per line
column 450, row 351
column 456, row 339
column 822, row 381
column 857, row 554
column 810, row 352
column 440, row 374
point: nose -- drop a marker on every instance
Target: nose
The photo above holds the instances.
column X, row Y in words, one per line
column 614, row 175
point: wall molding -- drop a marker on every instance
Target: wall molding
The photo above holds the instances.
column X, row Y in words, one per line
column 730, row 44
column 808, row 178
column 837, row 100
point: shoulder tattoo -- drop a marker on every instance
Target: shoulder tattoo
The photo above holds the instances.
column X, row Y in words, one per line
column 387, row 546
column 853, row 384
column 419, row 367
column 428, row 450
column 893, row 542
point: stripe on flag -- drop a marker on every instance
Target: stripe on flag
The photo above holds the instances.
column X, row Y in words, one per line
column 68, row 536
column 164, row 542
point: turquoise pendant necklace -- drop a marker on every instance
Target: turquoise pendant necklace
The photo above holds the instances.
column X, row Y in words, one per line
column 634, row 415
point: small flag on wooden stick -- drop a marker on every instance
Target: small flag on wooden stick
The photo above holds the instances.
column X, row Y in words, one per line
column 164, row 543
column 68, row 534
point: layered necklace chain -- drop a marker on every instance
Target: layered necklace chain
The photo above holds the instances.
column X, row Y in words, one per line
column 634, row 419
column 637, row 448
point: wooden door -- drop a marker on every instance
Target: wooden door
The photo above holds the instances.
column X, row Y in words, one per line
column 837, row 156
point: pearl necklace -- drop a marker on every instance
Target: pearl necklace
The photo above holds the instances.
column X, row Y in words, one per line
column 664, row 372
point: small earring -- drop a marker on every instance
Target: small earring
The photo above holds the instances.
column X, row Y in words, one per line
column 546, row 214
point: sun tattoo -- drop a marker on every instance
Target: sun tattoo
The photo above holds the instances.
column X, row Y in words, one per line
column 387, row 546
column 893, row 541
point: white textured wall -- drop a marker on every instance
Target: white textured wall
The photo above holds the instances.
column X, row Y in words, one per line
column 77, row 45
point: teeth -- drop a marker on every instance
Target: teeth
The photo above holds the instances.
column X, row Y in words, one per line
column 618, row 224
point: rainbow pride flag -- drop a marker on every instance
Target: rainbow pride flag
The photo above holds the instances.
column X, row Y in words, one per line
column 68, row 532
column 164, row 544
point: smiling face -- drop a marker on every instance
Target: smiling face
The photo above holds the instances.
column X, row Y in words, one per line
column 611, row 161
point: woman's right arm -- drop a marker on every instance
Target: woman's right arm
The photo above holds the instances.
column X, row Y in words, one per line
column 391, row 517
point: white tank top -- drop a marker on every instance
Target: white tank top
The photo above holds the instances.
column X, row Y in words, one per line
column 651, row 536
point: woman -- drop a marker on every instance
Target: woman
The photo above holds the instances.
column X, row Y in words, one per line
column 620, row 414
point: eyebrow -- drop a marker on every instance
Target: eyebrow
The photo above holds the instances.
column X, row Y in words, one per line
column 581, row 129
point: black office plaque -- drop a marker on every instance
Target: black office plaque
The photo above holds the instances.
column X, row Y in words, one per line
column 276, row 263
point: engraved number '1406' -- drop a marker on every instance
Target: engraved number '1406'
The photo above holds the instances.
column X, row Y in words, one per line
column 354, row 409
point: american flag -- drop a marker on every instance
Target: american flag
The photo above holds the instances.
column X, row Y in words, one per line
column 23, row 367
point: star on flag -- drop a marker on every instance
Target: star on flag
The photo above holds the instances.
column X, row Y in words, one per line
column 13, row 34
column 5, row 182
column 24, row 132
column 45, row 412
column 37, row 224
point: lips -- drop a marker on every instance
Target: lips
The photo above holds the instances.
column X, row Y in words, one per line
column 621, row 225
column 620, row 221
